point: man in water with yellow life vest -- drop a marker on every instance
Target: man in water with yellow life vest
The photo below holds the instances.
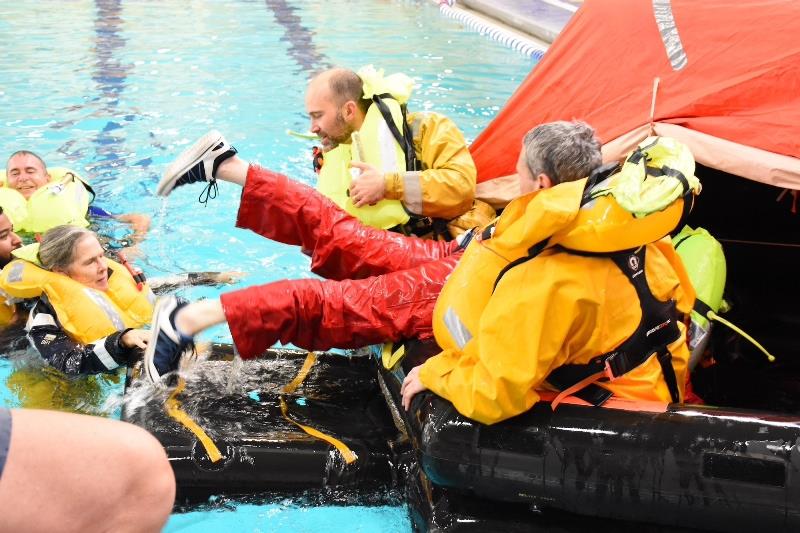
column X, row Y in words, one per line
column 36, row 199
column 390, row 169
column 500, row 343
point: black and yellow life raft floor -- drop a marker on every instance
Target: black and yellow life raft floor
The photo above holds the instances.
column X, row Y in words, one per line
column 236, row 406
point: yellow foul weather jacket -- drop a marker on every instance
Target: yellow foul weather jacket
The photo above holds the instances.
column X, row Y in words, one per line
column 558, row 308
column 445, row 187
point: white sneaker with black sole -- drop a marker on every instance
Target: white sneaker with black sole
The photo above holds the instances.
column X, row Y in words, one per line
column 197, row 163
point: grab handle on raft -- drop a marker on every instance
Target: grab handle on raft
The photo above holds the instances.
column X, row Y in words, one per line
column 311, row 358
column 173, row 407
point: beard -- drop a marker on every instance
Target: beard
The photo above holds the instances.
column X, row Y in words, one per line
column 340, row 133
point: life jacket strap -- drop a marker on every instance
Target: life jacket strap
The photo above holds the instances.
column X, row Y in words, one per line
column 533, row 251
column 404, row 138
column 688, row 197
column 598, row 175
column 416, row 225
column 701, row 307
column 657, row 329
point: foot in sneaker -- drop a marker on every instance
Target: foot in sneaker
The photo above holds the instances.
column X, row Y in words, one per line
column 197, row 163
column 166, row 344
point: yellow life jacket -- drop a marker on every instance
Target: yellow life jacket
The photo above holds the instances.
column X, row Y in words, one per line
column 7, row 312
column 64, row 199
column 642, row 202
column 86, row 314
column 583, row 216
column 525, row 221
column 374, row 144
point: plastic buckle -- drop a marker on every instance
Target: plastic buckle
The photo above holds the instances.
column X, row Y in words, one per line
column 609, row 372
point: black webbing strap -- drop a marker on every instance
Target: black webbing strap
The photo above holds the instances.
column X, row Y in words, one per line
column 701, row 307
column 533, row 251
column 657, row 329
column 598, row 175
column 405, row 141
column 688, row 197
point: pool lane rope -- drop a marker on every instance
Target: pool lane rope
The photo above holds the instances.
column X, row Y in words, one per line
column 311, row 358
column 525, row 46
column 173, row 407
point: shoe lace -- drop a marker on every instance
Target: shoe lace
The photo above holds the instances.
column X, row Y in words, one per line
column 209, row 192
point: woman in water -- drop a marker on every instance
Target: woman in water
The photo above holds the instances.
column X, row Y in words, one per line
column 90, row 308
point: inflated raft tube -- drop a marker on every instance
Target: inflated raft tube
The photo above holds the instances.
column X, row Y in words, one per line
column 686, row 466
column 240, row 411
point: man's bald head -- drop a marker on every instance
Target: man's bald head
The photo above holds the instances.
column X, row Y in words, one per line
column 335, row 106
column 341, row 85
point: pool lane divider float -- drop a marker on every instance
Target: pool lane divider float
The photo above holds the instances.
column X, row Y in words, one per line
column 525, row 46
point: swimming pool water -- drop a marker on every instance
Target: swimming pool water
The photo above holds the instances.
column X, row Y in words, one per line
column 116, row 89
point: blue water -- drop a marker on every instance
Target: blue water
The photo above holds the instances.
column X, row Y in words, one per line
column 116, row 89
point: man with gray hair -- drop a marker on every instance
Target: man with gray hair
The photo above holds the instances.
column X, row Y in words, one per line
column 381, row 286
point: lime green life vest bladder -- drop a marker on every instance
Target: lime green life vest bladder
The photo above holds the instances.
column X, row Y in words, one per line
column 704, row 259
column 64, row 199
column 374, row 144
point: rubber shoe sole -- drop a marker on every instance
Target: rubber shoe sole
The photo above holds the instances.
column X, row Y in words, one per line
column 188, row 159
column 163, row 306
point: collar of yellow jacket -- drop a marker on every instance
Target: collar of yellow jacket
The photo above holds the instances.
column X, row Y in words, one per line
column 536, row 216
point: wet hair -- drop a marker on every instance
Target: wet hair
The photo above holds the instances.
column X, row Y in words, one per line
column 347, row 85
column 26, row 152
column 562, row 150
column 57, row 248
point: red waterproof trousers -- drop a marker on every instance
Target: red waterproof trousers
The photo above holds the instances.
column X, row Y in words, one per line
column 381, row 286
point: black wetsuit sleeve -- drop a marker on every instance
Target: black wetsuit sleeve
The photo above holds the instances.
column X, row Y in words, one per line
column 46, row 335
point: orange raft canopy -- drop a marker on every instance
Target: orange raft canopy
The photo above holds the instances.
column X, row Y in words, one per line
column 728, row 85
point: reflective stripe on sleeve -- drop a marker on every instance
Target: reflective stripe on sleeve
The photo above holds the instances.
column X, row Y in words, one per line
column 39, row 319
column 102, row 354
column 412, row 192
column 458, row 331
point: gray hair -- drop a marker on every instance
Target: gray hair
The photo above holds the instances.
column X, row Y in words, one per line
column 57, row 248
column 25, row 152
column 562, row 150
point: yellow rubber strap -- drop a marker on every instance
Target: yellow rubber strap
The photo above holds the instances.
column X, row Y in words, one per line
column 346, row 452
column 389, row 358
column 290, row 387
column 173, row 407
